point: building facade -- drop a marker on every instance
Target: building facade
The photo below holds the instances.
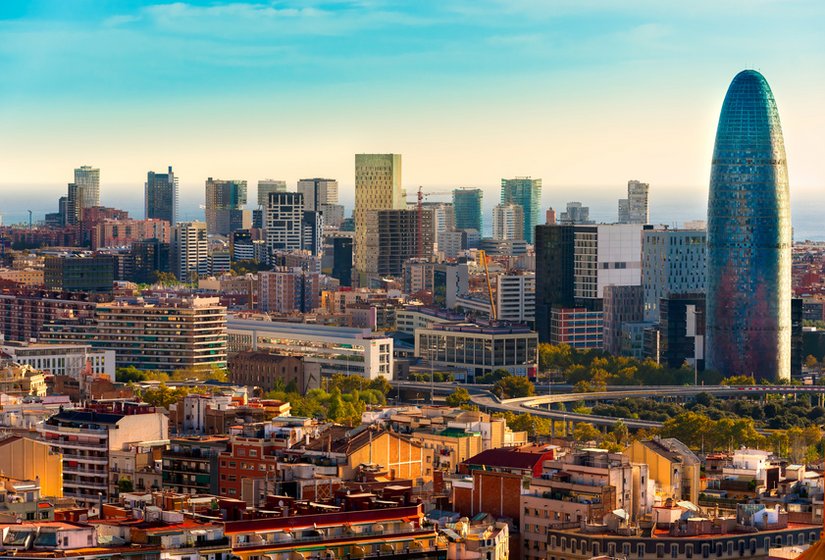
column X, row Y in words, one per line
column 283, row 222
column 525, row 192
column 224, row 211
column 161, row 196
column 468, row 210
column 508, row 221
column 189, row 251
column 87, row 182
column 318, row 193
column 79, row 272
column 634, row 209
column 673, row 262
column 749, row 237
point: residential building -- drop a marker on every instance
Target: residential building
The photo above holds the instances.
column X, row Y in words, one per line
column 674, row 261
column 122, row 233
column 525, row 192
column 189, row 250
column 83, row 272
column 508, row 221
column 337, row 349
column 85, row 438
column 452, row 243
column 161, row 196
column 393, row 238
column 550, row 217
column 475, row 350
column 312, row 229
column 30, row 459
column 377, row 187
column 23, row 312
column 164, row 334
column 224, row 210
column 288, row 290
column 577, row 327
column 749, row 237
column 672, row 466
column 634, row 209
column 575, row 213
column 21, row 380
column 468, row 209
column 516, row 297
column 72, row 360
column 443, row 219
column 190, row 464
column 136, row 467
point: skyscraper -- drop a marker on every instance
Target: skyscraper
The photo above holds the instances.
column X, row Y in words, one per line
column 525, row 192
column 634, row 209
column 225, row 200
column 508, row 221
column 189, row 251
column 161, row 196
column 87, row 179
column 284, row 222
column 267, row 186
column 377, row 187
column 318, row 192
column 749, row 237
column 467, row 206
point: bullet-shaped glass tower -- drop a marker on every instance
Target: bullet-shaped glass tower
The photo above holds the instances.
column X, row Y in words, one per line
column 749, row 237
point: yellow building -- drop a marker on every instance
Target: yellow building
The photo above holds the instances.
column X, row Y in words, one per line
column 673, row 467
column 28, row 459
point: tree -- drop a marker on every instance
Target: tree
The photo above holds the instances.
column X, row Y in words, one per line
column 585, row 431
column 381, row 384
column 458, row 397
column 689, row 427
column 513, row 387
column 164, row 278
column 739, row 380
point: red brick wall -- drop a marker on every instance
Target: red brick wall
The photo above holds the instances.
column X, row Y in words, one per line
column 498, row 494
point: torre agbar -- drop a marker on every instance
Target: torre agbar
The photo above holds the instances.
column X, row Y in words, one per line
column 749, row 237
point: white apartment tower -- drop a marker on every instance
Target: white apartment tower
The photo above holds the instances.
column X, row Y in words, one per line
column 508, row 221
column 283, row 222
column 189, row 251
column 377, row 187
column 634, row 209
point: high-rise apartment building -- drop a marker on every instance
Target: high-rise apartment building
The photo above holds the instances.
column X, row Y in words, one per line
column 575, row 213
column 284, row 222
column 161, row 196
column 673, row 262
column 377, row 187
column 87, row 179
column 288, row 290
column 318, row 192
column 393, row 238
column 749, row 237
column 443, row 219
column 516, row 297
column 225, row 200
column 508, row 221
column 634, row 209
column 468, row 211
column 189, row 251
column 525, row 192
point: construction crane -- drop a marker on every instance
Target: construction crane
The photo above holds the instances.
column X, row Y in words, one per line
column 482, row 256
column 420, row 218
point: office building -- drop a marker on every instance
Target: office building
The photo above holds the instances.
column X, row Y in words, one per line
column 110, row 233
column 80, row 272
column 476, row 350
column 502, row 247
column 393, row 238
column 284, row 222
column 162, row 334
column 87, row 180
column 85, row 438
column 224, row 210
column 149, row 257
column 525, row 192
column 577, row 327
column 450, row 280
column 634, row 209
column 443, row 219
column 621, row 305
column 312, row 229
column 338, row 349
column 377, row 187
column 318, row 193
column 267, row 187
column 73, row 360
column 342, row 260
column 674, row 261
column 575, row 213
column 682, row 329
column 468, row 210
column 452, row 243
column 508, row 222
column 749, row 237
column 333, row 215
column 189, row 250
column 161, row 196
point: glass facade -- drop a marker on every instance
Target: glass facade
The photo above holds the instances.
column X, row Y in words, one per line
column 749, row 237
column 525, row 192
column 467, row 208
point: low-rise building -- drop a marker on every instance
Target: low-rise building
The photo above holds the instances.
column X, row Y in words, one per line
column 29, row 459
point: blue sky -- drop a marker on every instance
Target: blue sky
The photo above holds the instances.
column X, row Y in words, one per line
column 585, row 93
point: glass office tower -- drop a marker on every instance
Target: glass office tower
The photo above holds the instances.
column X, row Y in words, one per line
column 749, row 237
column 467, row 209
column 525, row 192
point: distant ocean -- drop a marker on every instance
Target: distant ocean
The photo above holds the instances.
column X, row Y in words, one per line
column 665, row 207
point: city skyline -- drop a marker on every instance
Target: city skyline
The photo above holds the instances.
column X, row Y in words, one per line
column 593, row 73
